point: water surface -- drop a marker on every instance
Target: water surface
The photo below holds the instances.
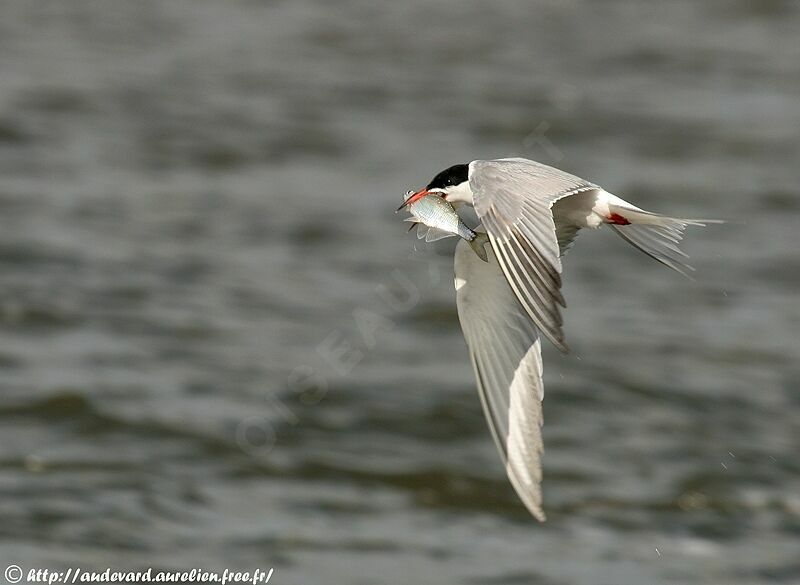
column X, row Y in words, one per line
column 196, row 197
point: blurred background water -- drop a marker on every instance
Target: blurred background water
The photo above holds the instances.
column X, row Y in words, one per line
column 196, row 215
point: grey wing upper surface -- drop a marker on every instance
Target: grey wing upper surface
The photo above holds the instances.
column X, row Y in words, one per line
column 512, row 198
column 505, row 352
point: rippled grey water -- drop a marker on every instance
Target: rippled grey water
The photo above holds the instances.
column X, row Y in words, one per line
column 197, row 196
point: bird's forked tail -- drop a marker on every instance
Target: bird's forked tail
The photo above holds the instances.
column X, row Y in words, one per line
column 656, row 235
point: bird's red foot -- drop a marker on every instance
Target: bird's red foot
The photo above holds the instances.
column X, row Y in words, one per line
column 617, row 219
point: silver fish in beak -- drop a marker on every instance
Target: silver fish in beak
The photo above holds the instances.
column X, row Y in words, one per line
column 437, row 219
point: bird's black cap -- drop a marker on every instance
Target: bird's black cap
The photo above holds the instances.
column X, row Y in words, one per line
column 454, row 175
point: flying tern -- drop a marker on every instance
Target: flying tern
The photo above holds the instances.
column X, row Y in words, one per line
column 532, row 214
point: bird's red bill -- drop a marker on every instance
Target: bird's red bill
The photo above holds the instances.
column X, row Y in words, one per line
column 414, row 198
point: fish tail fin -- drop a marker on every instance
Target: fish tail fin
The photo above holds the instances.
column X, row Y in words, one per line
column 477, row 244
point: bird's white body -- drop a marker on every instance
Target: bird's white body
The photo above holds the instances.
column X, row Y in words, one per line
column 532, row 214
column 589, row 209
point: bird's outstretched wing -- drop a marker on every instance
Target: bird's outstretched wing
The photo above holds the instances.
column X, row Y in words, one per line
column 504, row 348
column 512, row 198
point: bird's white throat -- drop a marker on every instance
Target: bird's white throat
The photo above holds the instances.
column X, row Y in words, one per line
column 459, row 194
